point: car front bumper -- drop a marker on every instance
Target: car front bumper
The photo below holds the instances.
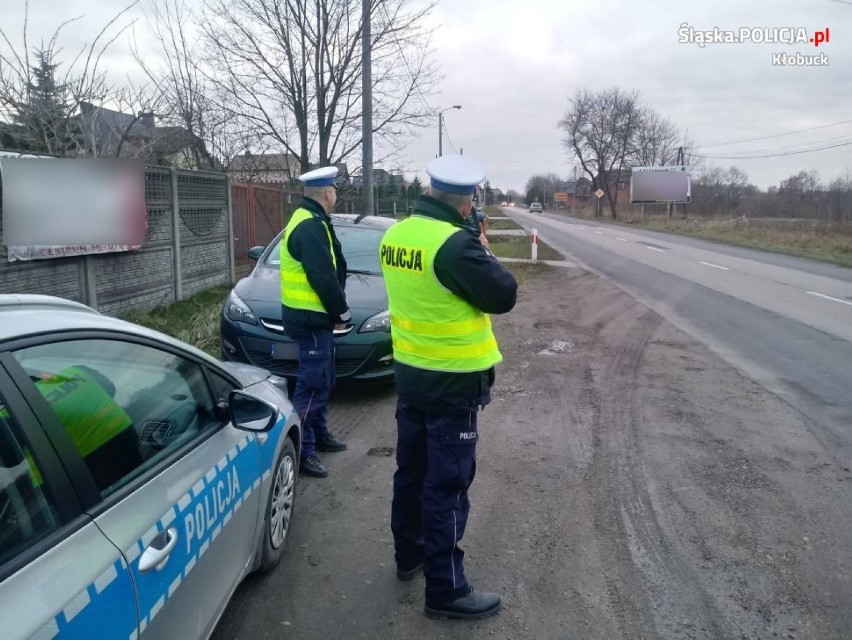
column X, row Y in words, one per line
column 367, row 357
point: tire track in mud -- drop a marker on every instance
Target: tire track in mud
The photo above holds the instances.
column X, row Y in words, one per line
column 652, row 591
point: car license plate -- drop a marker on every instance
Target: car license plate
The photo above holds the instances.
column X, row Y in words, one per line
column 284, row 351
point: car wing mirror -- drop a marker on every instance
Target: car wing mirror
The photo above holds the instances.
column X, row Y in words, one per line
column 255, row 253
column 250, row 413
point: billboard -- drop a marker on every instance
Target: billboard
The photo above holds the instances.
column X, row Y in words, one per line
column 660, row 185
column 60, row 207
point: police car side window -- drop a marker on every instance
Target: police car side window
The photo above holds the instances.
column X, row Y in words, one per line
column 221, row 387
column 26, row 510
column 125, row 406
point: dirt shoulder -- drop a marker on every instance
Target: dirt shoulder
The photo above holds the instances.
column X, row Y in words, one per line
column 630, row 485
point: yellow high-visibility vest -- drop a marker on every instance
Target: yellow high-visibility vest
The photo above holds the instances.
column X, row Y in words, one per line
column 89, row 414
column 296, row 291
column 431, row 327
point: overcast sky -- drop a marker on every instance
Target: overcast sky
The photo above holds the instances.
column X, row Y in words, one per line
column 513, row 65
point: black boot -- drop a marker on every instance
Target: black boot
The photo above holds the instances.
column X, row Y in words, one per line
column 330, row 444
column 409, row 572
column 473, row 606
column 313, row 466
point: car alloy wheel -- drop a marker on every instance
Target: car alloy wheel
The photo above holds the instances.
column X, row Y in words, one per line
column 281, row 505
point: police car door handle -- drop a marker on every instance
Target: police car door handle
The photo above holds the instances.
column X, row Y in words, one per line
column 158, row 551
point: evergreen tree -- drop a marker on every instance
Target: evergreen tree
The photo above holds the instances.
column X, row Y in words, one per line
column 46, row 116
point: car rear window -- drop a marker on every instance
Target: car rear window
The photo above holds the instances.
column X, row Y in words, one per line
column 360, row 248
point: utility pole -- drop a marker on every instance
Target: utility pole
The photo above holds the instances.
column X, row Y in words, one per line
column 367, row 111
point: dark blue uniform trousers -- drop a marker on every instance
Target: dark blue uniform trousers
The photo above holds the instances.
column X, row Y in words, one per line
column 436, row 463
column 314, row 383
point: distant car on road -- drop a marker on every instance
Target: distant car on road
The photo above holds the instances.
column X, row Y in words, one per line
column 252, row 330
column 535, row 207
column 140, row 479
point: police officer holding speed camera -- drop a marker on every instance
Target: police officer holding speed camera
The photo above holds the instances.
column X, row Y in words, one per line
column 442, row 284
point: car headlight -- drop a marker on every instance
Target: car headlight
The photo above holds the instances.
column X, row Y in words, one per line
column 238, row 311
column 379, row 322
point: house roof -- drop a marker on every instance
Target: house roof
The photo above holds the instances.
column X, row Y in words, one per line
column 108, row 126
column 264, row 162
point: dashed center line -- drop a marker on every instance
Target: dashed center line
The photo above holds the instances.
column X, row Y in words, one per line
column 822, row 295
column 655, row 249
column 715, row 266
column 622, row 239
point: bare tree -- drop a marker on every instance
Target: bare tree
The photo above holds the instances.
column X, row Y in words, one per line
column 198, row 112
column 44, row 102
column 656, row 141
column 600, row 130
column 839, row 200
column 292, row 68
column 717, row 190
column 542, row 187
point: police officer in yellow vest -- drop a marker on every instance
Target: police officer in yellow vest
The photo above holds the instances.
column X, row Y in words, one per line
column 313, row 277
column 442, row 284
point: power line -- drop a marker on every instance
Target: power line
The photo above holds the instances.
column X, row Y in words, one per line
column 449, row 139
column 801, row 146
column 777, row 135
column 775, row 155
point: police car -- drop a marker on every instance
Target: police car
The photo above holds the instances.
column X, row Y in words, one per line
column 140, row 479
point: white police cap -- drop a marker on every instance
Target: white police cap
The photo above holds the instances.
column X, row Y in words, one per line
column 456, row 174
column 322, row 177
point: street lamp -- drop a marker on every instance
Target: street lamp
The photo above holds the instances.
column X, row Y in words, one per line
column 441, row 128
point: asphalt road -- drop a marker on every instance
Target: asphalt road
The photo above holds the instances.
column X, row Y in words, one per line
column 785, row 321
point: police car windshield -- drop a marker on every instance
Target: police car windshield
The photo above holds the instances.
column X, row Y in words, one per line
column 360, row 248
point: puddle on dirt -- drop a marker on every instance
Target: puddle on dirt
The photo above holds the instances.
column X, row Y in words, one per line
column 557, row 347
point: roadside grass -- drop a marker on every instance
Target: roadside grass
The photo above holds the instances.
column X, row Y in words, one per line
column 194, row 320
column 519, row 247
column 833, row 246
column 502, row 225
column 827, row 245
column 526, row 270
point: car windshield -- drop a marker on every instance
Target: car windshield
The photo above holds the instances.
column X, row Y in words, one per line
column 360, row 248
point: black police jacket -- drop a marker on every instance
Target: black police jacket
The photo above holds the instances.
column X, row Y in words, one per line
column 468, row 270
column 308, row 243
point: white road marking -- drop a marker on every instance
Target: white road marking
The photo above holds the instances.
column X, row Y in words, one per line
column 622, row 239
column 599, row 233
column 822, row 295
column 715, row 266
column 655, row 249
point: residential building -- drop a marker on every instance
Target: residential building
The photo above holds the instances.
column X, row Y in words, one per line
column 112, row 134
column 277, row 168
